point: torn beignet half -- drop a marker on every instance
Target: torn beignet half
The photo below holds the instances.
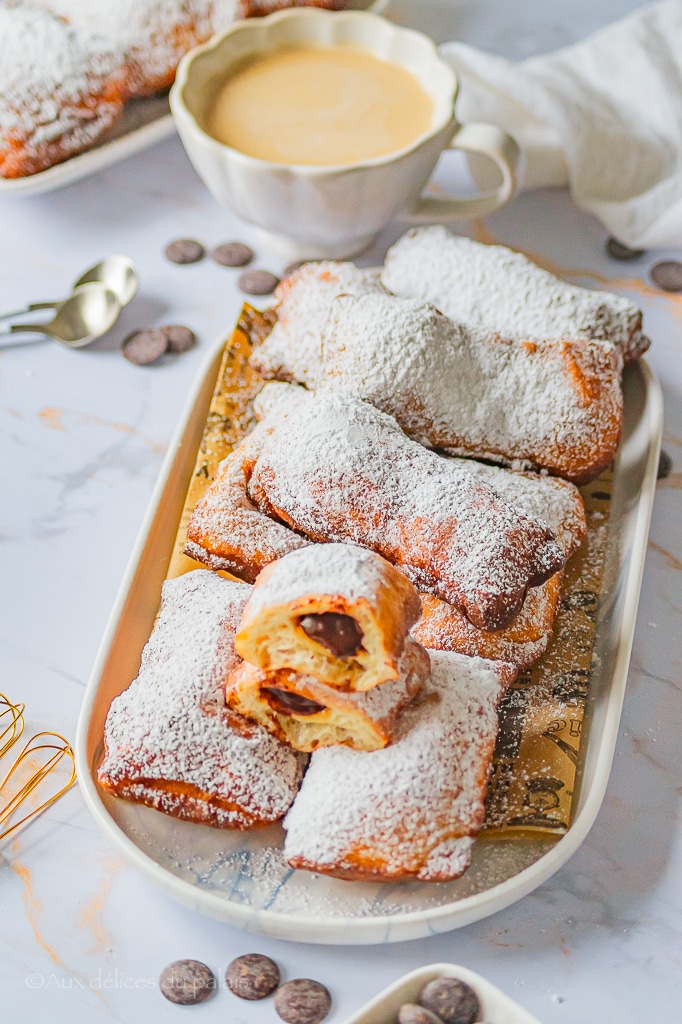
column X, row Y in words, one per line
column 340, row 470
column 501, row 290
column 413, row 808
column 171, row 743
column 307, row 714
column 338, row 612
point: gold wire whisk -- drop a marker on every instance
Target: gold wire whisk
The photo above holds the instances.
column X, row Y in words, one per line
column 11, row 723
column 52, row 750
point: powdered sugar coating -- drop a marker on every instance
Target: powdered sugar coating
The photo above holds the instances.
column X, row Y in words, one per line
column 340, row 470
column 291, row 350
column 226, row 530
column 493, row 287
column 411, row 808
column 556, row 405
column 150, row 34
column 171, row 742
column 60, row 90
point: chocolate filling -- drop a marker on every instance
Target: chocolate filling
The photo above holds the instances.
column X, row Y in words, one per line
column 288, row 703
column 339, row 633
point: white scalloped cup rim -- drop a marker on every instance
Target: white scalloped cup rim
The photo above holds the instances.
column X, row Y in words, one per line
column 205, row 67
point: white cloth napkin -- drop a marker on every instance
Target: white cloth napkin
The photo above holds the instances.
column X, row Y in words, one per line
column 603, row 116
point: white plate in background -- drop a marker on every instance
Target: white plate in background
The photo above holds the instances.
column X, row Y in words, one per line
column 144, row 122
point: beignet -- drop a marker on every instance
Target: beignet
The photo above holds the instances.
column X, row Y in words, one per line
column 413, row 808
column 60, row 90
column 337, row 469
column 171, row 743
column 307, row 714
column 553, row 501
column 496, row 288
column 556, row 405
column 337, row 612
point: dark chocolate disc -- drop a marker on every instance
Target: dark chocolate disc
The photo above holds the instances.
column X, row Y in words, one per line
column 410, row 1013
column 619, row 251
column 179, row 338
column 252, row 976
column 187, row 982
column 302, row 1001
column 145, row 346
column 665, row 465
column 667, row 275
column 232, row 254
column 257, row 282
column 184, row 250
column 452, row 1000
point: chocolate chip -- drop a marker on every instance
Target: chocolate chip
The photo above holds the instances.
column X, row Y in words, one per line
column 288, row 703
column 452, row 1000
column 291, row 267
column 187, row 982
column 410, row 1013
column 144, row 347
column 252, row 976
column 232, row 254
column 257, row 282
column 619, row 251
column 184, row 250
column 302, row 1001
column 667, row 275
column 665, row 465
column 340, row 634
column 179, row 338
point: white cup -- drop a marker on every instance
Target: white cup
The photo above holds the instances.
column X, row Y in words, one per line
column 335, row 212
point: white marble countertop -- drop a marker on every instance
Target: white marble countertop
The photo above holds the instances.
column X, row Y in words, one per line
column 84, row 936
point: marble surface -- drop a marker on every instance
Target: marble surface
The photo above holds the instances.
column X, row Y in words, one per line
column 83, row 935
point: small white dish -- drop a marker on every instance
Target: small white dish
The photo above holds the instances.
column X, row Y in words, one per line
column 496, row 1007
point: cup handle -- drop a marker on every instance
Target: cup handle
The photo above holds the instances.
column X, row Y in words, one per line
column 486, row 140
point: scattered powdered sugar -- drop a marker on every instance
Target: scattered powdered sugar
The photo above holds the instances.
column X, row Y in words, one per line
column 60, row 90
column 404, row 810
column 171, row 725
column 493, row 287
column 553, row 404
column 448, row 531
column 354, row 573
column 291, row 350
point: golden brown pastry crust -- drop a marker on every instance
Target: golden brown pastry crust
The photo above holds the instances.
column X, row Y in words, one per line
column 360, row 720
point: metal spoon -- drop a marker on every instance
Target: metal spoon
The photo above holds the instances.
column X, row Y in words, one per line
column 87, row 314
column 118, row 273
